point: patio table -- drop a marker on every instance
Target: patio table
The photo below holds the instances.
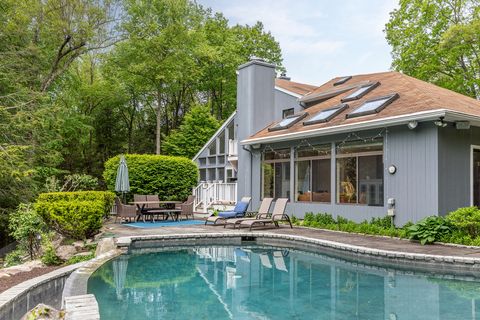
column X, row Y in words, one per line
column 167, row 207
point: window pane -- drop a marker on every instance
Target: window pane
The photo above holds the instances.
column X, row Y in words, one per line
column 221, row 174
column 370, row 180
column 303, row 181
column 267, row 180
column 282, row 180
column 203, row 174
column 321, row 180
column 287, row 112
column 221, row 143
column 212, row 148
column 346, row 180
column 277, row 154
column 320, row 150
column 358, row 147
column 231, row 133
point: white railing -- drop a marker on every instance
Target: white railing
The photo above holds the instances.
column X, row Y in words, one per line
column 210, row 193
column 232, row 147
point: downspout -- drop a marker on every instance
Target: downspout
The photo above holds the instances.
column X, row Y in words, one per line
column 251, row 168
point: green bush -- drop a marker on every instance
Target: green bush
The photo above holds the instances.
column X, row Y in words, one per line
column 73, row 218
column 105, row 197
column 27, row 227
column 171, row 178
column 467, row 220
column 430, row 229
column 14, row 258
column 50, row 257
column 77, row 259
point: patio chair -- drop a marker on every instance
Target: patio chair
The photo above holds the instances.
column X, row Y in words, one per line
column 187, row 207
column 154, row 209
column 125, row 211
column 278, row 215
column 237, row 212
column 262, row 213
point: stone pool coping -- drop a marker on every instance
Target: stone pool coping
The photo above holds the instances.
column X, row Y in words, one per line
column 21, row 291
column 456, row 264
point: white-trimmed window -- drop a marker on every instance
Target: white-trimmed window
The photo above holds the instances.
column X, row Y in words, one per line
column 313, row 174
column 359, row 173
column 276, row 174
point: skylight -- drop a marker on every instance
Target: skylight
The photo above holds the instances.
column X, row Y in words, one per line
column 326, row 115
column 288, row 122
column 373, row 106
column 360, row 92
column 342, row 80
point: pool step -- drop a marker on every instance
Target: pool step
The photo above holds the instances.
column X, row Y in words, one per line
column 84, row 307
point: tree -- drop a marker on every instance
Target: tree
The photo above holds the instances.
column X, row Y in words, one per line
column 197, row 128
column 438, row 41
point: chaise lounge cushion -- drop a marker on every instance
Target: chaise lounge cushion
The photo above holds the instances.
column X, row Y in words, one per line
column 239, row 210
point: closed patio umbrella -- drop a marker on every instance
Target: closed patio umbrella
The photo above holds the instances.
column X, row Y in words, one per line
column 122, row 184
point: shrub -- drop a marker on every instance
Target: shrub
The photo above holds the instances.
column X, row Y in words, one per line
column 171, row 178
column 73, row 218
column 50, row 257
column 430, row 229
column 73, row 182
column 77, row 259
column 467, row 220
column 27, row 227
column 105, row 197
column 14, row 258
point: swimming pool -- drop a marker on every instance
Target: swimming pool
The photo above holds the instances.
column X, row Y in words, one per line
column 264, row 282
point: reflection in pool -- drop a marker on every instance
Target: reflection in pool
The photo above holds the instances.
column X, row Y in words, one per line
column 271, row 283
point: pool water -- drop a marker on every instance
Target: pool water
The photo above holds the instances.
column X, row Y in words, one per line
column 272, row 283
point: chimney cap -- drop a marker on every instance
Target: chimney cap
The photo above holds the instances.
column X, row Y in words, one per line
column 283, row 76
column 255, row 58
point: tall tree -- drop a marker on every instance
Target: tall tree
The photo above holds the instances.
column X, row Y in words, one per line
column 438, row 41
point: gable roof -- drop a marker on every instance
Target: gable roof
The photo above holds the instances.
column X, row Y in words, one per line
column 297, row 88
column 417, row 100
column 216, row 134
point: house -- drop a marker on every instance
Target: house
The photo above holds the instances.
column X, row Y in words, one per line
column 357, row 146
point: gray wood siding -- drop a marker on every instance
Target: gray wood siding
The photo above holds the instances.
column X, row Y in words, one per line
column 285, row 101
column 415, row 184
column 454, row 156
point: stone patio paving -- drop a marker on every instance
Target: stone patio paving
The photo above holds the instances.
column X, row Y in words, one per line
column 368, row 241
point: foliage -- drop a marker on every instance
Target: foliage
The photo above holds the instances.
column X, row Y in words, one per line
column 197, row 128
column 75, row 214
column 438, row 41
column 377, row 226
column 467, row 220
column 14, row 258
column 104, row 197
column 430, row 229
column 77, row 259
column 73, row 182
column 171, row 178
column 27, row 227
column 49, row 256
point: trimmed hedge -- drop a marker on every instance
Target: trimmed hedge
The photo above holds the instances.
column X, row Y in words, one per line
column 171, row 178
column 78, row 215
column 105, row 197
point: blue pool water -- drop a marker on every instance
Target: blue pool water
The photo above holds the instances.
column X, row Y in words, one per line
column 251, row 282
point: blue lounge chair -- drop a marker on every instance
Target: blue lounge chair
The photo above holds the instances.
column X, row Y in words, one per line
column 237, row 212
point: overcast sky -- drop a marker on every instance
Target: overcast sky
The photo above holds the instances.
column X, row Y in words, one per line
column 320, row 39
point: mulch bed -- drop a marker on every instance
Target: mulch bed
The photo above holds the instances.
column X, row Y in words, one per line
column 6, row 283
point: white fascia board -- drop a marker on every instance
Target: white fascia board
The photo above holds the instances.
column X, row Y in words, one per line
column 365, row 125
column 229, row 119
column 293, row 94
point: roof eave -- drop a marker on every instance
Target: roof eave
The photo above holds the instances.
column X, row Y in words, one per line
column 449, row 115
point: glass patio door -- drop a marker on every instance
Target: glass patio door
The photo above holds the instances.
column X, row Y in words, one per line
column 476, row 176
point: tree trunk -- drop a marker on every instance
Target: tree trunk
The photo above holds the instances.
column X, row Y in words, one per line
column 159, row 118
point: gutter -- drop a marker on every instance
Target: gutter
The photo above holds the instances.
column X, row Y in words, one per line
column 365, row 125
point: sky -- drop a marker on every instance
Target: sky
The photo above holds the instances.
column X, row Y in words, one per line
column 320, row 39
